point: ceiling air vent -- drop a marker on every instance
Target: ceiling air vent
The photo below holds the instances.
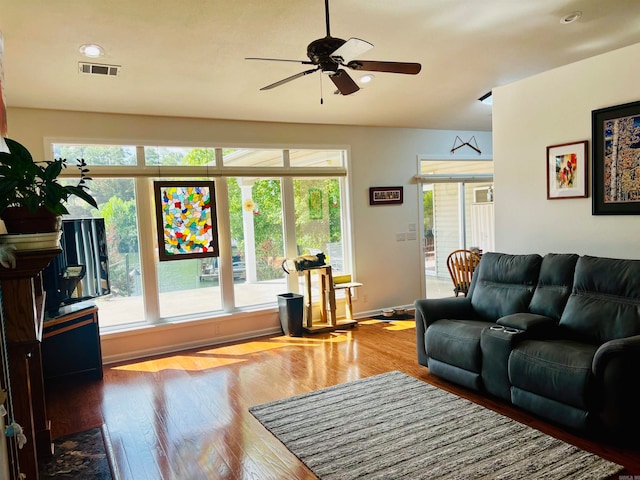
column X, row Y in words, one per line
column 99, row 69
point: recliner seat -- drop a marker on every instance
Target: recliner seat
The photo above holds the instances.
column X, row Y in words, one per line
column 502, row 285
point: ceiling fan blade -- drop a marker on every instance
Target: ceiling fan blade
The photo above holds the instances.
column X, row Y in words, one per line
column 391, row 67
column 352, row 48
column 304, row 62
column 288, row 79
column 345, row 84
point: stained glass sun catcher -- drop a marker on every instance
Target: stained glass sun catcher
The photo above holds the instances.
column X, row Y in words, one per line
column 186, row 219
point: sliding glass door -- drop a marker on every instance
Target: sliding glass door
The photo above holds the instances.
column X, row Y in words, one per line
column 457, row 214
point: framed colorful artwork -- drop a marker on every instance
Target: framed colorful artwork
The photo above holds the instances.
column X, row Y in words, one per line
column 567, row 171
column 616, row 160
column 385, row 195
column 186, row 219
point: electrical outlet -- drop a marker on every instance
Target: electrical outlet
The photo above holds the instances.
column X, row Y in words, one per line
column 401, row 237
column 412, row 227
column 365, row 298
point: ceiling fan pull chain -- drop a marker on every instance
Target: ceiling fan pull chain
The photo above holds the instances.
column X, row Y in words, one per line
column 321, row 99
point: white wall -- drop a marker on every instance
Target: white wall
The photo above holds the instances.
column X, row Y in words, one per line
column 391, row 271
column 550, row 109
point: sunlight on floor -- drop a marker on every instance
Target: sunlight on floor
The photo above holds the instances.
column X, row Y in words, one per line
column 393, row 325
column 229, row 354
column 191, row 363
column 401, row 325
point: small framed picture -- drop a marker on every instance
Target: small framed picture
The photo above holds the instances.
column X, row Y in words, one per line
column 567, row 171
column 385, row 195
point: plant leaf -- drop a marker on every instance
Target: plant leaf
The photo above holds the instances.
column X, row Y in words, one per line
column 83, row 194
column 52, row 171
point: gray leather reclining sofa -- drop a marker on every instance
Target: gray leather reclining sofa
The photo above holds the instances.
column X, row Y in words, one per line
column 557, row 335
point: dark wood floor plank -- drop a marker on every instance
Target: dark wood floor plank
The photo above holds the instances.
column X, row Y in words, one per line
column 185, row 415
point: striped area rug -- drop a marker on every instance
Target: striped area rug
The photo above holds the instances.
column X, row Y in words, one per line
column 393, row 426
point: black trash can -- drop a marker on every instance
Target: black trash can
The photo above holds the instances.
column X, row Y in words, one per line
column 290, row 306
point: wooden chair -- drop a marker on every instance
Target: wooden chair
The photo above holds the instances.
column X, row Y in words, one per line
column 461, row 264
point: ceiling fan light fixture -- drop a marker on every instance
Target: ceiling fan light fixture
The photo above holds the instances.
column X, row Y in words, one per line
column 368, row 78
column 91, row 50
column 329, row 54
column 570, row 17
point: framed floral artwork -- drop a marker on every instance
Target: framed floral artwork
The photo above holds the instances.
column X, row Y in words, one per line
column 567, row 171
column 186, row 220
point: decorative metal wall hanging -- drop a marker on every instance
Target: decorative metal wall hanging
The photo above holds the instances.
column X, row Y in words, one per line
column 458, row 143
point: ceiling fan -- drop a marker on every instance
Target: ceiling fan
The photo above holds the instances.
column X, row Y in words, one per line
column 328, row 54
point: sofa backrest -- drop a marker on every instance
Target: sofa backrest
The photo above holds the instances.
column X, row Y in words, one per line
column 605, row 301
column 555, row 284
column 503, row 284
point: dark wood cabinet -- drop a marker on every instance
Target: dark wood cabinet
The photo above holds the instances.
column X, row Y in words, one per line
column 71, row 344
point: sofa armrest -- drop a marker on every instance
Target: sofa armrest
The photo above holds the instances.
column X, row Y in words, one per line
column 431, row 309
column 529, row 322
column 615, row 365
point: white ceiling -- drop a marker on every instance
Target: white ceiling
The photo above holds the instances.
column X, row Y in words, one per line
column 186, row 57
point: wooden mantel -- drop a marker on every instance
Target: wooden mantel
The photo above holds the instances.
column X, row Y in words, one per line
column 23, row 304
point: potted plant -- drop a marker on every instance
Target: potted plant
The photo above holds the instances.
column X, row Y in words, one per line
column 32, row 200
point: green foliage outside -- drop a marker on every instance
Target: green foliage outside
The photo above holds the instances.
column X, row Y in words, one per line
column 316, row 233
column 427, row 202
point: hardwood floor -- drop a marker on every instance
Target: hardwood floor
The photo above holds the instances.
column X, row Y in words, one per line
column 184, row 416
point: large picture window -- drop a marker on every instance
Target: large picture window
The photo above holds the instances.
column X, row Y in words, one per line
column 251, row 211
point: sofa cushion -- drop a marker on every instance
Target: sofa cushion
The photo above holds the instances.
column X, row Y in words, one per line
column 554, row 285
column 572, row 417
column 455, row 374
column 605, row 302
column 504, row 284
column 556, row 369
column 456, row 342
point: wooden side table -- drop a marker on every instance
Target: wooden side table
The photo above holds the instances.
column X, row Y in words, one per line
column 348, row 306
column 328, row 320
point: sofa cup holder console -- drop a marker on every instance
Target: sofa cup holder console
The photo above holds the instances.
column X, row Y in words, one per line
column 508, row 330
column 496, row 342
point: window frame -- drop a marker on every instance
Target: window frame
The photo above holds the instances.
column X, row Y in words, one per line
column 142, row 173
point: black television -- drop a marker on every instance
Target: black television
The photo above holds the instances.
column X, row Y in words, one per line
column 81, row 271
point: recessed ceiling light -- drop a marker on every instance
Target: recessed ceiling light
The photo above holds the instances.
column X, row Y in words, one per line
column 366, row 78
column 92, row 50
column 570, row 18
